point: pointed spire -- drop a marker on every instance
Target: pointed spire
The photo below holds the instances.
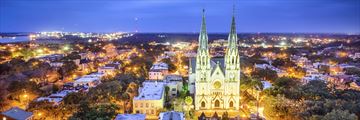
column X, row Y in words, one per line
column 203, row 37
column 232, row 39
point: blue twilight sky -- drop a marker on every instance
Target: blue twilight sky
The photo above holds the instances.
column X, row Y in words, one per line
column 339, row 16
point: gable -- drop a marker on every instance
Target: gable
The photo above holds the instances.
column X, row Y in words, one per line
column 217, row 72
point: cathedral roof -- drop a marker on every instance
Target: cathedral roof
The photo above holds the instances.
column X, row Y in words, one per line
column 213, row 63
column 192, row 65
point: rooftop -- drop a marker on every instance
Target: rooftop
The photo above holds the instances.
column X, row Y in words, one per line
column 130, row 117
column 87, row 79
column 17, row 113
column 151, row 91
column 160, row 66
column 172, row 115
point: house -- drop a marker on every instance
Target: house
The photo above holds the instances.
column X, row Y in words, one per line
column 116, row 65
column 56, row 64
column 175, row 84
column 169, row 53
column 16, row 113
column 107, row 70
column 150, row 100
column 356, row 56
column 266, row 84
column 51, row 58
column 90, row 80
column 158, row 71
column 279, row 72
column 340, row 79
column 55, row 98
column 355, row 85
column 130, row 117
column 85, row 64
column 171, row 115
column 335, row 70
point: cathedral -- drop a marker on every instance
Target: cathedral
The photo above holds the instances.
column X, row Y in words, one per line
column 215, row 82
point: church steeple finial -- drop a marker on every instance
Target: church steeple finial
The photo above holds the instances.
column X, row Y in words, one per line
column 232, row 39
column 203, row 37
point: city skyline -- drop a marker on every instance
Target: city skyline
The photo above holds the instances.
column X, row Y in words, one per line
column 180, row 16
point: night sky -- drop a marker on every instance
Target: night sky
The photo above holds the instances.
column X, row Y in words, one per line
column 322, row 16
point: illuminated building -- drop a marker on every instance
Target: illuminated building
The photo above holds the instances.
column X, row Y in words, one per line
column 158, row 71
column 107, row 70
column 151, row 99
column 16, row 113
column 215, row 81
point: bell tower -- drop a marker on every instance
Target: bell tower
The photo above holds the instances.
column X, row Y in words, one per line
column 232, row 66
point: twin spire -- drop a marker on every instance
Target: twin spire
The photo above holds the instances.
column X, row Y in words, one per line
column 203, row 37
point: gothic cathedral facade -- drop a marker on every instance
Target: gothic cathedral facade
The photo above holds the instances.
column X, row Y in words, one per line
column 216, row 81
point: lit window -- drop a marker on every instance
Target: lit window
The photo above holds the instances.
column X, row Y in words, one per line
column 203, row 104
column 217, row 103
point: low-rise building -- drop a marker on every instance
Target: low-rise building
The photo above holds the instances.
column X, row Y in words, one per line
column 150, row 100
column 171, row 115
column 175, row 84
column 130, row 117
column 158, row 71
column 56, row 64
column 90, row 80
column 279, row 72
column 116, row 65
column 16, row 113
column 340, row 79
column 107, row 70
column 55, row 98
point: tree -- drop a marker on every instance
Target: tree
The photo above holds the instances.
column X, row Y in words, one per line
column 72, row 56
column 172, row 67
column 188, row 100
column 167, row 89
column 324, row 69
column 278, row 62
column 280, row 108
column 67, row 68
column 74, row 98
column 315, row 90
column 352, row 71
column 97, row 112
column 339, row 115
column 225, row 116
column 105, row 92
column 266, row 74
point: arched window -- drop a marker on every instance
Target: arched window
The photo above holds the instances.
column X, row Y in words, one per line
column 202, row 104
column 217, row 103
column 231, row 104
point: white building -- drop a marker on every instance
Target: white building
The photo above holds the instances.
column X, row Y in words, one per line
column 158, row 71
column 171, row 115
column 55, row 98
column 150, row 100
column 216, row 81
column 175, row 84
column 90, row 80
